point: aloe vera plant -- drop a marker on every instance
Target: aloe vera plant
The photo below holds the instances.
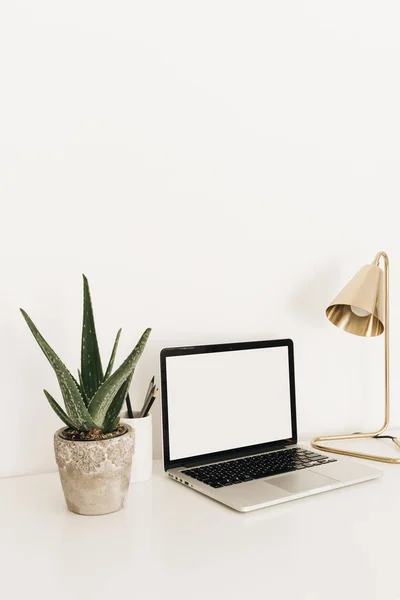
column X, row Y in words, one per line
column 94, row 400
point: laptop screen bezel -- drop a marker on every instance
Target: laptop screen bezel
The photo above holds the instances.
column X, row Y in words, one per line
column 234, row 452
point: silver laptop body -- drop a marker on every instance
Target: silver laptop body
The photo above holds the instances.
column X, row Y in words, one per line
column 229, row 421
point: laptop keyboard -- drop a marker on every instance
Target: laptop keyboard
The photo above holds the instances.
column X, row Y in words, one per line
column 256, row 467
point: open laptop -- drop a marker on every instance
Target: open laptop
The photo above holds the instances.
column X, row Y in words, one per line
column 229, row 427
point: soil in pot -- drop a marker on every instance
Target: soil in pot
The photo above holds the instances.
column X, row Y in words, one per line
column 93, row 435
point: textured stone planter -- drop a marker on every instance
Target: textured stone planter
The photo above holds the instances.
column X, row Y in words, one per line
column 95, row 474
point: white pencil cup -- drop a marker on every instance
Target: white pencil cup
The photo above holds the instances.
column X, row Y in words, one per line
column 142, row 461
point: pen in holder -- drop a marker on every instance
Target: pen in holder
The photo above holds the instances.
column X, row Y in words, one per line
column 142, row 461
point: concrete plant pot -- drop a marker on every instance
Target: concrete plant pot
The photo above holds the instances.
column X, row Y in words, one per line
column 95, row 474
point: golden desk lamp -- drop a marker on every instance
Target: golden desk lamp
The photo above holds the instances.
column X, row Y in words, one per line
column 362, row 308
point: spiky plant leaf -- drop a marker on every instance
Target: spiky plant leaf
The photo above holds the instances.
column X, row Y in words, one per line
column 82, row 390
column 113, row 426
column 111, row 418
column 104, row 396
column 59, row 411
column 74, row 403
column 112, row 357
column 91, row 369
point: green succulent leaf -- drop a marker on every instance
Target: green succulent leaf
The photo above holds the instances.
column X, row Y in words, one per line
column 74, row 403
column 113, row 425
column 112, row 357
column 82, row 390
column 105, row 395
column 91, row 369
column 59, row 411
column 111, row 418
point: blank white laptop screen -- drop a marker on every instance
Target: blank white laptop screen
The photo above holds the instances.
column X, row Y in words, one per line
column 224, row 400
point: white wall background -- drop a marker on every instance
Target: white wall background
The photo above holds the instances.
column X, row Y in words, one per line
column 218, row 169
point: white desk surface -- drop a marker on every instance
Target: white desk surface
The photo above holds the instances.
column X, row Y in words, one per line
column 171, row 542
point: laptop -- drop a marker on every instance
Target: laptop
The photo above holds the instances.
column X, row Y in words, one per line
column 230, row 430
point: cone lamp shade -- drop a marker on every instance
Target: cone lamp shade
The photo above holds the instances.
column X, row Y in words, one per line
column 362, row 308
column 359, row 308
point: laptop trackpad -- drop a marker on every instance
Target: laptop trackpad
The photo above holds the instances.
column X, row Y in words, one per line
column 301, row 482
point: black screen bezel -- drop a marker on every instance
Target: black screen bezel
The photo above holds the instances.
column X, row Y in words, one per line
column 225, row 454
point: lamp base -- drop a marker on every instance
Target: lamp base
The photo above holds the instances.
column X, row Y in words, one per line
column 315, row 443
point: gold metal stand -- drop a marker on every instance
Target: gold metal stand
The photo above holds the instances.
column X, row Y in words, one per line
column 342, row 320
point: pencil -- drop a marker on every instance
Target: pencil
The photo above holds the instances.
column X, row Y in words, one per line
column 129, row 406
column 147, row 405
column 150, row 404
column 148, row 396
column 149, row 389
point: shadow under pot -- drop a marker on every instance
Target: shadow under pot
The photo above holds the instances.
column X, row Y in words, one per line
column 95, row 474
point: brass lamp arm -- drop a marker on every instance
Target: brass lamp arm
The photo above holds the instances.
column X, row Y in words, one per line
column 379, row 256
